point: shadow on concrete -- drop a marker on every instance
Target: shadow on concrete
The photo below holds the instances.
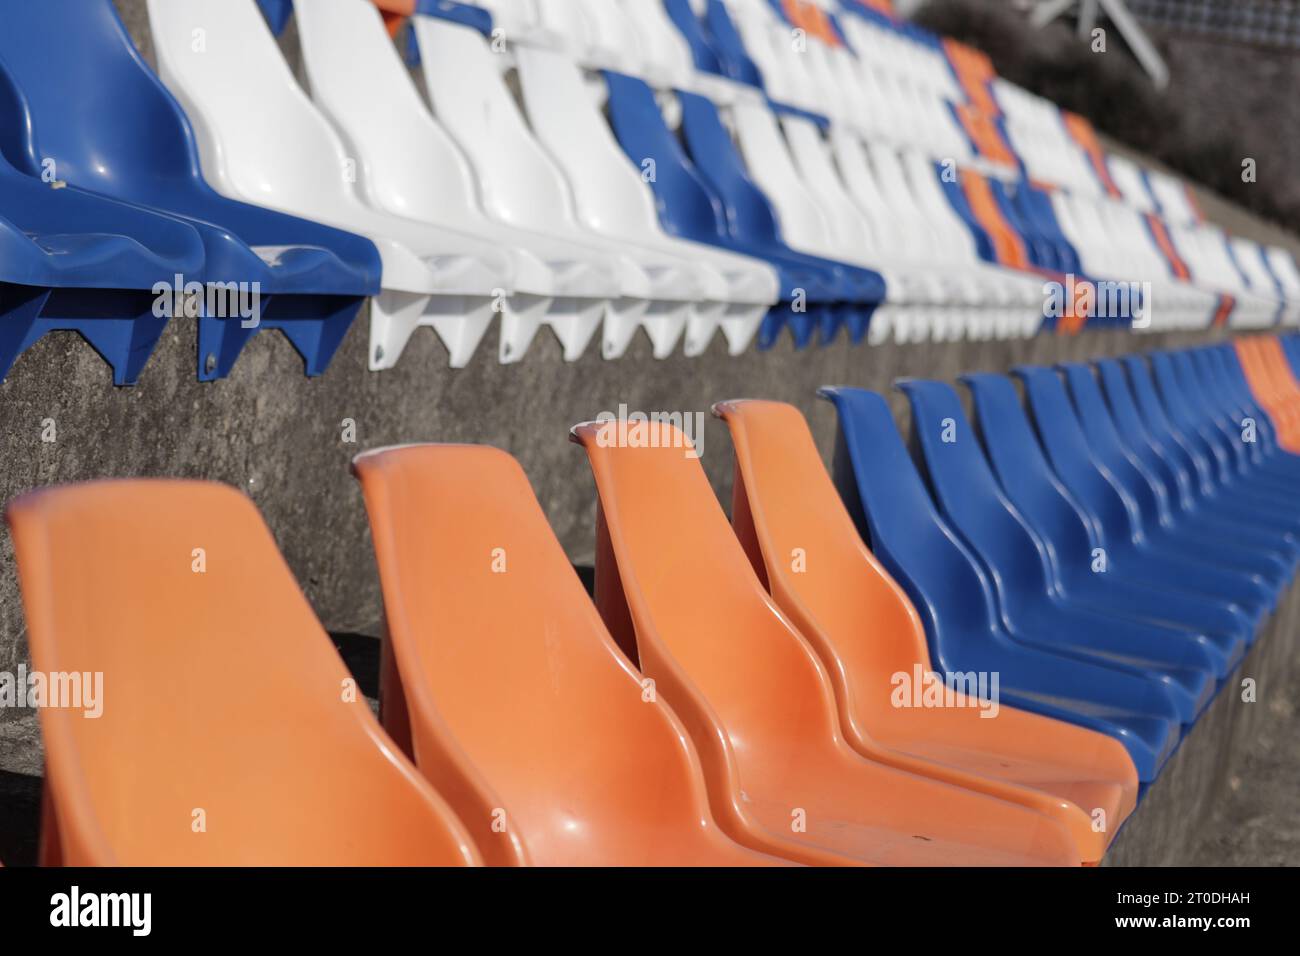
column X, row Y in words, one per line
column 20, row 818
column 360, row 652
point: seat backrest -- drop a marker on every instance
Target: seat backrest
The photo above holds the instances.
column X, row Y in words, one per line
column 564, row 110
column 1172, row 196
column 1128, row 178
column 969, row 496
column 1107, row 446
column 1023, row 470
column 666, row 53
column 230, row 732
column 1184, row 412
column 749, row 213
column 569, row 23
column 722, row 30
column 464, row 78
column 906, row 236
column 509, row 675
column 730, row 662
column 891, row 176
column 1249, row 257
column 803, row 544
column 885, row 494
column 217, row 57
column 1152, row 451
column 770, row 165
column 1062, row 437
column 97, row 110
column 686, row 204
column 1221, row 360
column 612, row 36
column 1008, row 245
column 1202, row 376
column 1158, row 421
column 1283, row 266
column 946, row 227
column 706, row 57
column 407, row 163
column 849, row 231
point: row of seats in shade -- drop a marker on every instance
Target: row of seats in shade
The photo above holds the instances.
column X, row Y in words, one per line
column 595, row 167
column 1108, row 550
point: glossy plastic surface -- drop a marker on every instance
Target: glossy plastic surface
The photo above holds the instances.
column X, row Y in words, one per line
column 164, row 593
column 1020, row 567
column 216, row 57
column 71, row 260
column 870, row 639
column 507, row 687
column 91, row 110
column 1091, row 571
column 955, row 599
column 754, row 695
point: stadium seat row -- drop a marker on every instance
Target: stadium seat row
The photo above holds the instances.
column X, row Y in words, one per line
column 597, row 167
column 1037, row 624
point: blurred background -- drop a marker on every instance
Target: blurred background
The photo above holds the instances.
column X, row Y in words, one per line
column 1233, row 75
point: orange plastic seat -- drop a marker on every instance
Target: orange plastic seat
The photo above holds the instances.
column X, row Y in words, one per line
column 753, row 694
column 1280, row 381
column 515, row 699
column 866, row 632
column 231, row 733
column 1273, row 386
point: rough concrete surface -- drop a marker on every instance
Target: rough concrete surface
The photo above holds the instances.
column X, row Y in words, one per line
column 278, row 435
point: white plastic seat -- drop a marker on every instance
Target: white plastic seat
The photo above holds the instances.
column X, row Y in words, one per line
column 262, row 140
column 614, row 201
column 1127, row 175
column 1015, row 297
column 409, row 166
column 766, row 156
column 1204, row 250
column 907, row 287
column 1248, row 257
column 523, row 186
column 519, row 21
column 1283, row 266
column 1011, row 302
column 565, row 27
column 804, row 224
column 1170, row 194
column 666, row 61
column 1115, row 244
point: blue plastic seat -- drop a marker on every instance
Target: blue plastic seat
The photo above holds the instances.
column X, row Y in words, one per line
column 884, row 493
column 89, row 104
column 715, row 43
column 1206, row 372
column 1221, row 360
column 746, row 215
column 751, row 219
column 1088, row 573
column 1128, row 540
column 1165, row 529
column 1019, row 566
column 1228, row 429
column 1161, row 398
column 1221, row 516
column 1291, row 348
column 1223, row 451
column 817, row 294
column 73, row 261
